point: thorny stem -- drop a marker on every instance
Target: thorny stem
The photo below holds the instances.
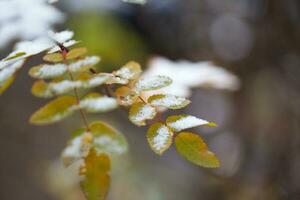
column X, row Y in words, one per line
column 64, row 52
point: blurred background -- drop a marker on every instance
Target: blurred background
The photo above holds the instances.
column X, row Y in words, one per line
column 258, row 137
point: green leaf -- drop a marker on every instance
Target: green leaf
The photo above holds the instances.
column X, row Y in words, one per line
column 53, row 57
column 17, row 55
column 107, row 139
column 168, row 101
column 125, row 96
column 192, row 147
column 181, row 122
column 131, row 71
column 152, row 83
column 76, row 53
column 96, row 181
column 159, row 137
column 54, row 111
column 95, row 102
column 140, row 112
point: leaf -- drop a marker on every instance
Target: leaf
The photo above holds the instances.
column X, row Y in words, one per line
column 54, row 111
column 95, row 102
column 46, row 90
column 168, row 101
column 53, row 57
column 6, row 84
column 96, row 181
column 181, row 122
column 8, row 70
column 46, row 71
column 140, row 112
column 76, row 53
column 152, row 83
column 83, row 64
column 130, row 71
column 78, row 147
column 159, row 137
column 125, row 96
column 17, row 55
column 107, row 139
column 115, row 80
column 193, row 148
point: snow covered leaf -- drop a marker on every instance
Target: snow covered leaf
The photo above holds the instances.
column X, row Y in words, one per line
column 46, row 71
column 76, row 53
column 152, row 83
column 168, row 101
column 125, row 96
column 95, row 102
column 46, row 90
column 115, row 80
column 107, row 139
column 131, row 71
column 7, row 73
column 63, row 37
column 181, row 122
column 192, row 147
column 95, row 170
column 159, row 137
column 53, row 57
column 78, row 147
column 140, row 112
column 54, row 111
column 83, row 64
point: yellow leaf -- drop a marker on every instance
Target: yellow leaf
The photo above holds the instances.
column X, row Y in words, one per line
column 76, row 53
column 40, row 89
column 96, row 181
column 140, row 112
column 159, row 137
column 193, row 148
column 54, row 111
column 53, row 57
column 17, row 55
column 6, row 84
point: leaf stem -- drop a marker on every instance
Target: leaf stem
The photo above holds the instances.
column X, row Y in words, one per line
column 64, row 52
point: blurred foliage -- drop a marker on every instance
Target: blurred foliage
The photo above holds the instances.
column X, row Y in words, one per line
column 106, row 35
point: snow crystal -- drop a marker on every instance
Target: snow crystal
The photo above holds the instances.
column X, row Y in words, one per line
column 187, row 122
column 100, row 104
column 161, row 139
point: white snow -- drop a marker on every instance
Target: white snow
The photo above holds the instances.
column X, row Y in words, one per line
column 87, row 61
column 145, row 112
column 187, row 75
column 26, row 19
column 186, row 122
column 99, row 104
column 64, row 86
column 49, row 71
column 109, row 145
column 169, row 101
column 161, row 139
column 9, row 70
column 152, row 83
